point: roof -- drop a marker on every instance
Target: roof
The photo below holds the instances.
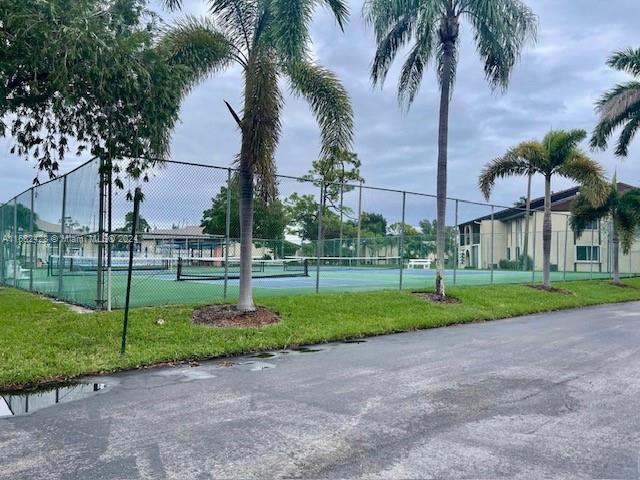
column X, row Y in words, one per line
column 186, row 231
column 560, row 202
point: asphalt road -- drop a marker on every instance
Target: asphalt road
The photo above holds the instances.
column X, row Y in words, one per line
column 545, row 396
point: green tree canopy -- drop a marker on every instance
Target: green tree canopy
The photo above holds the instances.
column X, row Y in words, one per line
column 621, row 208
column 269, row 223
column 374, row 223
column 86, row 73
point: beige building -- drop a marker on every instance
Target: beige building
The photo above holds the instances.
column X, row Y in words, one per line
column 501, row 242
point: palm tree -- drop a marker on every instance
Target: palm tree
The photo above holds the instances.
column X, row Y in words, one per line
column 269, row 40
column 431, row 28
column 557, row 155
column 620, row 106
column 622, row 209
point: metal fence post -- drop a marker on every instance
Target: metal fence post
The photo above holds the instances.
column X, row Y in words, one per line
column 341, row 217
column 109, row 239
column 535, row 241
column 137, row 196
column 61, row 242
column 101, row 207
column 319, row 242
column 227, row 235
column 492, row 240
column 2, row 243
column 31, row 242
column 15, row 242
column 457, row 249
column 358, row 235
column 591, row 254
column 401, row 249
column 566, row 241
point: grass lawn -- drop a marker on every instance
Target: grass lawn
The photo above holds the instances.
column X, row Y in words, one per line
column 42, row 341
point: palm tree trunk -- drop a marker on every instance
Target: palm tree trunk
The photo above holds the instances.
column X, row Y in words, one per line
column 443, row 140
column 525, row 249
column 616, row 256
column 245, row 298
column 546, row 234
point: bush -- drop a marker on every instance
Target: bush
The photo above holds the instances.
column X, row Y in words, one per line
column 521, row 264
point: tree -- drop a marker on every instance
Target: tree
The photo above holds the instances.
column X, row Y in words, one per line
column 428, row 227
column 302, row 212
column 374, row 223
column 397, row 229
column 142, row 226
column 431, row 28
column 270, row 218
column 557, row 155
column 268, row 39
column 622, row 209
column 88, row 72
column 620, row 106
column 332, row 174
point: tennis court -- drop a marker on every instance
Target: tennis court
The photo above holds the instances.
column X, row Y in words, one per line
column 160, row 281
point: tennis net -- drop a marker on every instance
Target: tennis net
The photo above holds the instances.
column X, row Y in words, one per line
column 78, row 265
column 351, row 263
column 218, row 268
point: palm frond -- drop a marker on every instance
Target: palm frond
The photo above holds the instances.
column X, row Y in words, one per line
column 197, row 44
column 393, row 24
column 589, row 174
column 261, row 124
column 340, row 11
column 237, row 19
column 501, row 29
column 517, row 161
column 627, row 219
column 583, row 212
column 627, row 134
column 619, row 101
column 290, row 21
column 627, row 60
column 560, row 145
column 329, row 101
column 413, row 68
column 172, row 5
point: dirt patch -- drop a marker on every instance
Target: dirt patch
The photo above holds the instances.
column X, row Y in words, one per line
column 560, row 291
column 435, row 298
column 624, row 285
column 229, row 316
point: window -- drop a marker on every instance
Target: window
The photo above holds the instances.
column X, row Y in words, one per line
column 517, row 253
column 508, row 253
column 587, row 253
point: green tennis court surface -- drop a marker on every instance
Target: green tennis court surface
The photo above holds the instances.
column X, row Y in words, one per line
column 152, row 288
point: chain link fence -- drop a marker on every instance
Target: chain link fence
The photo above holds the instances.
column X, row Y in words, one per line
column 69, row 239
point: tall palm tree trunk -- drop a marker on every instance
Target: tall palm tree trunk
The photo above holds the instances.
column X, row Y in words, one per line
column 546, row 235
column 616, row 256
column 443, row 141
column 525, row 249
column 245, row 298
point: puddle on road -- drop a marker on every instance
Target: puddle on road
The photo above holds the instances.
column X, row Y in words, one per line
column 258, row 366
column 307, row 350
column 29, row 401
column 264, row 355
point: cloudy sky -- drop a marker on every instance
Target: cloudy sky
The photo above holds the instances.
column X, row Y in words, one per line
column 555, row 85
